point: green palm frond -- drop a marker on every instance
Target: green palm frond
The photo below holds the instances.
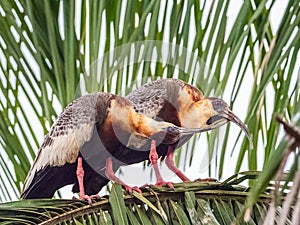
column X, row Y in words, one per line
column 188, row 203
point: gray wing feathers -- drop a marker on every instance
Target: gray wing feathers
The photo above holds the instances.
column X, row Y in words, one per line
column 73, row 128
column 150, row 98
column 147, row 101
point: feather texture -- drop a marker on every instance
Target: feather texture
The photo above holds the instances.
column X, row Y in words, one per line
column 72, row 129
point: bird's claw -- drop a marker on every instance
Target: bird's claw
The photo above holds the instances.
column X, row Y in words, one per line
column 95, row 197
column 129, row 189
column 88, row 198
column 164, row 183
column 159, row 184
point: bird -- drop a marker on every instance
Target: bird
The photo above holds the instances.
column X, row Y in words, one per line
column 80, row 146
column 175, row 101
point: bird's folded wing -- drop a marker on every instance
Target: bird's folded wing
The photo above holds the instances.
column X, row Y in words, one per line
column 72, row 129
column 148, row 99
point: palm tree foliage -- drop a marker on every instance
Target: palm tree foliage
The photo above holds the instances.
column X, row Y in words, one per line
column 48, row 47
column 189, row 203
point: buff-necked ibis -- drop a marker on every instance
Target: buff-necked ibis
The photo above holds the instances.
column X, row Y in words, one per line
column 88, row 134
column 182, row 104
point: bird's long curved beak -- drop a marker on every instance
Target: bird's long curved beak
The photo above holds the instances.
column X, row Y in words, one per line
column 229, row 115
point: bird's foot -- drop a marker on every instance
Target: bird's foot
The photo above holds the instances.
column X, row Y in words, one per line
column 95, row 197
column 164, row 183
column 210, row 179
column 88, row 198
column 159, row 184
column 129, row 189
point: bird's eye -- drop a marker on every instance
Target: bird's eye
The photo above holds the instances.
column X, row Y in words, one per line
column 218, row 104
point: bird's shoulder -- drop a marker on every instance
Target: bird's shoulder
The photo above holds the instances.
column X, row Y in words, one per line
column 84, row 110
column 150, row 98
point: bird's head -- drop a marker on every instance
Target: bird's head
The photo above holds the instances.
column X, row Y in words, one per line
column 219, row 113
column 211, row 113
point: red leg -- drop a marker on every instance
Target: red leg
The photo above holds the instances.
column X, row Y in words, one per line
column 80, row 175
column 171, row 165
column 111, row 175
column 153, row 157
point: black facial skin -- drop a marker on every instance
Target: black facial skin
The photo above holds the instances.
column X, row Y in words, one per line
column 213, row 119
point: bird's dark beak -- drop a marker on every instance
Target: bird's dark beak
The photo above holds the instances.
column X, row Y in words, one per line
column 229, row 115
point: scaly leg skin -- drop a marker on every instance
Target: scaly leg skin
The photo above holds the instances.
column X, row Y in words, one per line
column 153, row 157
column 171, row 165
column 80, row 175
column 111, row 175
